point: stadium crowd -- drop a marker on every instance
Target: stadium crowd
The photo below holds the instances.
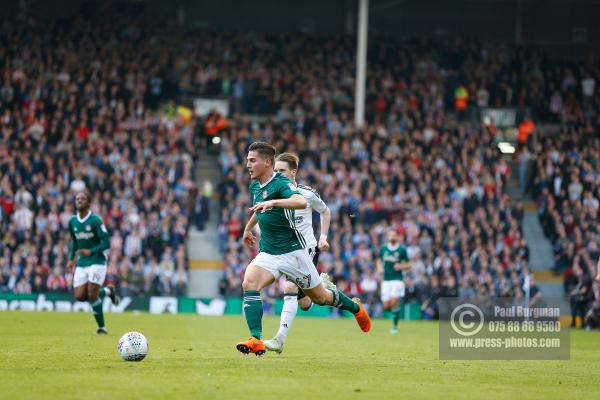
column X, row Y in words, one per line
column 81, row 109
column 567, row 189
column 443, row 191
column 74, row 117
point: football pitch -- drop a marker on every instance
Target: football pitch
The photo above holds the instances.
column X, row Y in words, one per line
column 57, row 356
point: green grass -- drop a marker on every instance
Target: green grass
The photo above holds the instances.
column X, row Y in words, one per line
column 56, row 356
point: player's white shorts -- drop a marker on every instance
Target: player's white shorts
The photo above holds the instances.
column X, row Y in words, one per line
column 297, row 266
column 392, row 290
column 94, row 273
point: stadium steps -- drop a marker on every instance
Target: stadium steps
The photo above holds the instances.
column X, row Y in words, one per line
column 541, row 255
column 206, row 261
column 512, row 187
column 552, row 288
column 540, row 249
column 555, row 296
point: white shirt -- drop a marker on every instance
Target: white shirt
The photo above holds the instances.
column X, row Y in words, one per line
column 557, row 184
column 483, row 97
column 77, row 185
column 23, row 218
column 133, row 246
column 304, row 217
column 588, row 86
column 368, row 284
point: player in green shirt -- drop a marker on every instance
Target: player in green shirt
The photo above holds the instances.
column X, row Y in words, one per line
column 392, row 262
column 281, row 248
column 90, row 244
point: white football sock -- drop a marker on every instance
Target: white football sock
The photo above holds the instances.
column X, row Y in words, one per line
column 288, row 313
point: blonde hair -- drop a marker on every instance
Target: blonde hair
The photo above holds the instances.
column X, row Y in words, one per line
column 291, row 159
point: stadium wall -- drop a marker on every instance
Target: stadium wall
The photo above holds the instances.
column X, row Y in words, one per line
column 62, row 302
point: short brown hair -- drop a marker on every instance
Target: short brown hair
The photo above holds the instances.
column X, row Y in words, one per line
column 290, row 158
column 264, row 149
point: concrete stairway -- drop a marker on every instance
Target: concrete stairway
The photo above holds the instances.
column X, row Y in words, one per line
column 206, row 261
column 541, row 255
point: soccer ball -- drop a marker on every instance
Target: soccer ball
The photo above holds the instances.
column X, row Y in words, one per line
column 133, row 346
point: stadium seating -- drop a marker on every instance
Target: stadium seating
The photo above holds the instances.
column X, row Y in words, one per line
column 88, row 113
column 444, row 194
column 73, row 120
column 567, row 188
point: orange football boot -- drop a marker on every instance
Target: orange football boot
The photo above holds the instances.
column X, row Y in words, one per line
column 252, row 345
column 362, row 317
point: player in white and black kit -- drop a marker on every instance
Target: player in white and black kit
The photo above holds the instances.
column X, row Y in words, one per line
column 287, row 164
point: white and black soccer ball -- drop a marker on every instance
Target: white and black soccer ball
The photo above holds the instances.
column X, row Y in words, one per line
column 133, row 346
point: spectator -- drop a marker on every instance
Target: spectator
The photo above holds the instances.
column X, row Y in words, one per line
column 412, row 294
column 201, row 210
column 180, row 281
column 429, row 308
column 524, row 160
column 406, row 169
column 23, row 286
column 62, row 132
column 23, row 218
column 56, row 281
column 368, row 287
column 579, row 296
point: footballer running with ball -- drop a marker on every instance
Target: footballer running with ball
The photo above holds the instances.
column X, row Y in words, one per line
column 287, row 165
column 282, row 249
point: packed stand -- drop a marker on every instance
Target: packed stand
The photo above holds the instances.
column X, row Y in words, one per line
column 502, row 75
column 76, row 117
column 566, row 185
column 442, row 190
column 82, row 90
